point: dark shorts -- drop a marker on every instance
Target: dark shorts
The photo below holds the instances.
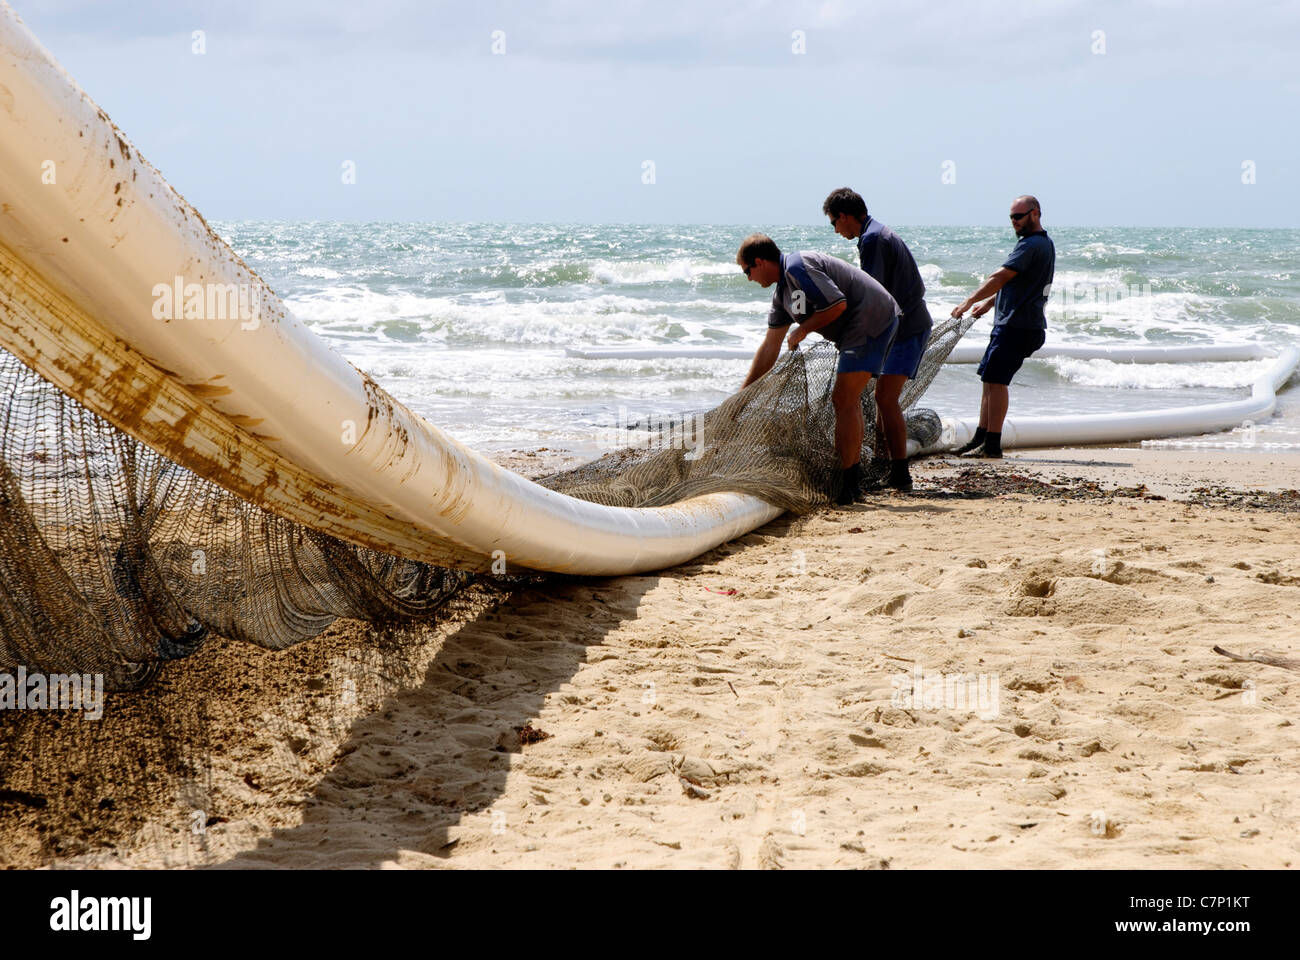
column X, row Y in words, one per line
column 904, row 357
column 868, row 357
column 1008, row 349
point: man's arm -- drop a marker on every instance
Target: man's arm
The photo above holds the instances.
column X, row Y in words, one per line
column 818, row 320
column 987, row 289
column 767, row 353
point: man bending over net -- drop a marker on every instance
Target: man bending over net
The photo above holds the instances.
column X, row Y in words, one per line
column 845, row 305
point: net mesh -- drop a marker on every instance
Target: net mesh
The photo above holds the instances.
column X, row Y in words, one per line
column 115, row 560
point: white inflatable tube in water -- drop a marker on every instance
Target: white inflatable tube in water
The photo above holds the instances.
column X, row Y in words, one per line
column 970, row 352
column 1085, row 428
column 1134, row 425
column 100, row 262
column 973, row 352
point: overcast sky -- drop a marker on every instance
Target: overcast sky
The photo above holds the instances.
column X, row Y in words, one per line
column 1141, row 112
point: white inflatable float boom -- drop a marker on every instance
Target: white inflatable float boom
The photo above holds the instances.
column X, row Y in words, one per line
column 115, row 289
column 1085, row 428
column 1137, row 424
column 973, row 352
column 970, row 352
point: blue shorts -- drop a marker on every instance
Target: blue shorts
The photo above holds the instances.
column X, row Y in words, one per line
column 868, row 357
column 904, row 357
column 1009, row 347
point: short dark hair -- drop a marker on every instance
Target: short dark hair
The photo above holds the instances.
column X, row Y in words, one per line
column 847, row 201
column 757, row 246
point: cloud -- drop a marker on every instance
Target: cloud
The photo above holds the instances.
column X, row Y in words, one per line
column 1011, row 91
column 944, row 36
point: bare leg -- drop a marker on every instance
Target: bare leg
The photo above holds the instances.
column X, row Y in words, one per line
column 993, row 411
column 849, row 426
column 889, row 414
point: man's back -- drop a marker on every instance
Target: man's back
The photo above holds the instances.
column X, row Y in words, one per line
column 824, row 281
column 883, row 254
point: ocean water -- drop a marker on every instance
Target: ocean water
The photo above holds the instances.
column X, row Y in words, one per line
column 468, row 323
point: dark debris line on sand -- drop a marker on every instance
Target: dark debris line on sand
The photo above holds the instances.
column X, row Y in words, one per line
column 1270, row 501
column 980, row 482
column 977, row 483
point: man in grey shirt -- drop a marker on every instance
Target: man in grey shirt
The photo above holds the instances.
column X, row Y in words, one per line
column 845, row 305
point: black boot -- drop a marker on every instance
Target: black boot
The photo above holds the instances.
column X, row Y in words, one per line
column 993, row 446
column 975, row 441
column 900, row 478
column 850, row 483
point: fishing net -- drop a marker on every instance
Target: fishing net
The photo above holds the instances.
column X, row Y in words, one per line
column 774, row 439
column 115, row 559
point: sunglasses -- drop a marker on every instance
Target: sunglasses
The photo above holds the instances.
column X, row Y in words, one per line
column 747, row 269
column 1017, row 217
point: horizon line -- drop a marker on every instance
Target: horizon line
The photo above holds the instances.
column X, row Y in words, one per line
column 710, row 223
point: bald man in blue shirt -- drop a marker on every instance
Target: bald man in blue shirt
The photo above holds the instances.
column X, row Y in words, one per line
column 1022, row 285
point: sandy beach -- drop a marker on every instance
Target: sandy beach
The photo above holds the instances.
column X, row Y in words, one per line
column 771, row 704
